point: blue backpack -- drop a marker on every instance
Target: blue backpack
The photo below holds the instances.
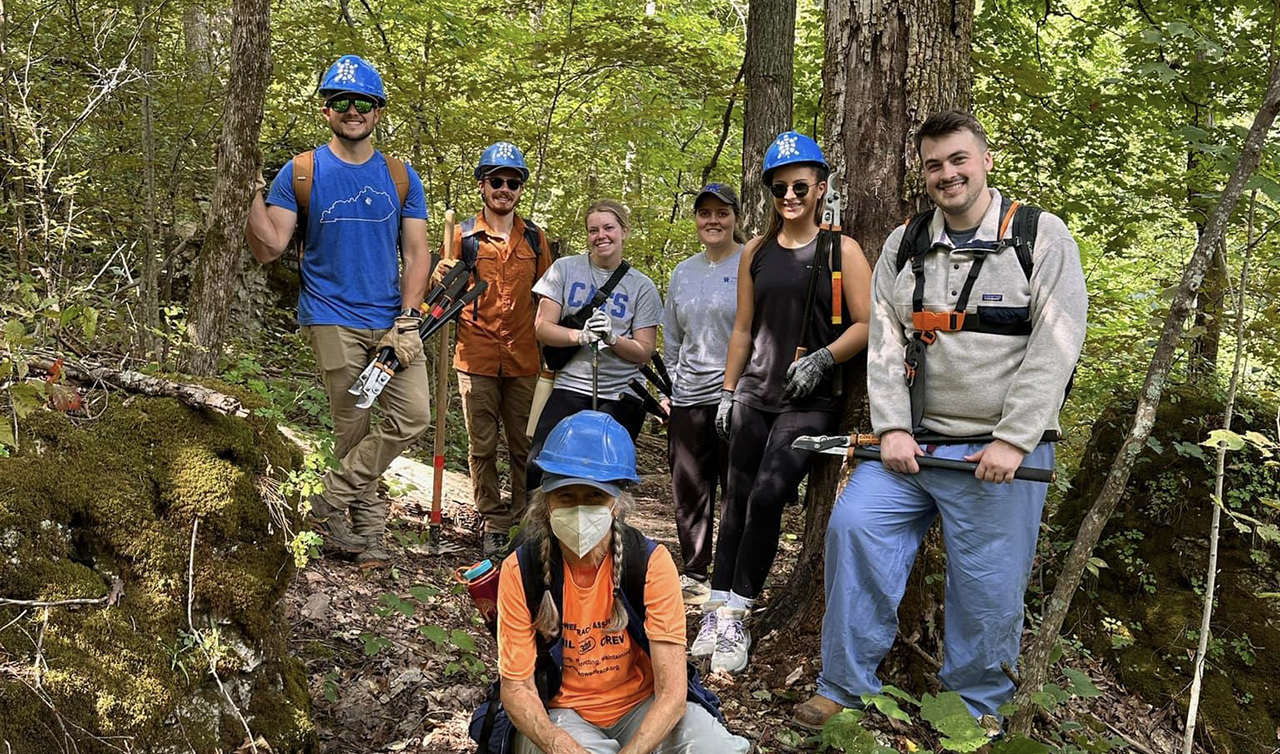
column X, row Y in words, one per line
column 490, row 727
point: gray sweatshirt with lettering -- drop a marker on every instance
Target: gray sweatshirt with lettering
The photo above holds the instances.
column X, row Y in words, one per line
column 702, row 300
column 1010, row 386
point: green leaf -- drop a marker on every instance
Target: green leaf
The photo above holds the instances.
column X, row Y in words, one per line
column 894, row 691
column 949, row 716
column 1224, row 438
column 6, row 432
column 423, row 593
column 14, row 332
column 844, row 731
column 1081, row 685
column 434, row 633
column 27, row 397
column 462, row 640
column 887, row 706
column 1019, row 745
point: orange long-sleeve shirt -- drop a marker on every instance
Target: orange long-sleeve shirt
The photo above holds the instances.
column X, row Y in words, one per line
column 496, row 335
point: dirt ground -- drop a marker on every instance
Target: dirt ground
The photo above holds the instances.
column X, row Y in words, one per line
column 398, row 658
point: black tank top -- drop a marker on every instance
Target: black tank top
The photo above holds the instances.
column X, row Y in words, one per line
column 780, row 278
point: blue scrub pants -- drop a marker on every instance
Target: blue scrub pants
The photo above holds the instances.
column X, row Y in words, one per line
column 875, row 530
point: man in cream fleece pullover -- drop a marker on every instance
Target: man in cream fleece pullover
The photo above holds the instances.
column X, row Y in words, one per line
column 1003, row 376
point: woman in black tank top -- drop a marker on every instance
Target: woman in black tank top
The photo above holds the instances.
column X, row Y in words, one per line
column 770, row 397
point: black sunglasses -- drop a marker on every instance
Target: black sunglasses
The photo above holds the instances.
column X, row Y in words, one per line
column 779, row 190
column 343, row 104
column 496, row 181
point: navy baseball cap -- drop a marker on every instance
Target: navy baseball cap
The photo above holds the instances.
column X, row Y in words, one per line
column 722, row 191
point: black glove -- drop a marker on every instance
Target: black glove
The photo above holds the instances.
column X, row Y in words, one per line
column 723, row 412
column 804, row 375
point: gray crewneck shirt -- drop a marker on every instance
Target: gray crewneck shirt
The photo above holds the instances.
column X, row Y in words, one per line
column 702, row 300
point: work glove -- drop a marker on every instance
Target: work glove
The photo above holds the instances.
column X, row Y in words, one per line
column 804, row 375
column 403, row 338
column 588, row 337
column 723, row 414
column 602, row 325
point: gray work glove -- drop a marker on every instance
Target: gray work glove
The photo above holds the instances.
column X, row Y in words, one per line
column 404, row 339
column 723, row 413
column 602, row 325
column 804, row 375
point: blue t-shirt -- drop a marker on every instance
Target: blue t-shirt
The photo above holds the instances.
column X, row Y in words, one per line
column 351, row 265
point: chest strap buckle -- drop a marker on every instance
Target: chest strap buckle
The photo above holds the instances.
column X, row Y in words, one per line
column 931, row 322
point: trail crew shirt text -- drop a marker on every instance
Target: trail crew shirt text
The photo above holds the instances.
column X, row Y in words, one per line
column 634, row 305
column 1010, row 386
column 702, row 301
column 351, row 263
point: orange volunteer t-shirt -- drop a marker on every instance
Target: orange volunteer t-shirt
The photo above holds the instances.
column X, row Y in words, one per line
column 605, row 675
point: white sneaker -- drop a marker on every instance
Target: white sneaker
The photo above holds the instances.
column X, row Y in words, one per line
column 693, row 591
column 733, row 643
column 705, row 642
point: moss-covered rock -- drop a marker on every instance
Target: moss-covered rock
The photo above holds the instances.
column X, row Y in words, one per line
column 87, row 506
column 1142, row 612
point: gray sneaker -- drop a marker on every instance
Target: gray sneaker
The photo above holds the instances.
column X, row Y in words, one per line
column 733, row 644
column 705, row 642
column 694, row 591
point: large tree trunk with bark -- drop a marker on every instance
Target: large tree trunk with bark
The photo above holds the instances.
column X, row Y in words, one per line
column 222, row 255
column 767, row 71
column 889, row 64
column 1036, row 657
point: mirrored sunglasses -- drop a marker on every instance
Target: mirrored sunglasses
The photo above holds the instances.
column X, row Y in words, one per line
column 343, row 104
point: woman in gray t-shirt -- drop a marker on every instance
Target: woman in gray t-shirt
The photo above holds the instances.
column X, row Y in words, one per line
column 624, row 329
column 696, row 324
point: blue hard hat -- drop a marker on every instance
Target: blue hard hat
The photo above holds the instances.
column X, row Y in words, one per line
column 589, row 445
column 351, row 73
column 791, row 148
column 503, row 154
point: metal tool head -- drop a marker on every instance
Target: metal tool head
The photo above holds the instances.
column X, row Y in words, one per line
column 831, row 202
column 373, row 386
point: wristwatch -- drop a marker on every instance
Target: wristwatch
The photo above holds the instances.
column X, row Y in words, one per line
column 411, row 311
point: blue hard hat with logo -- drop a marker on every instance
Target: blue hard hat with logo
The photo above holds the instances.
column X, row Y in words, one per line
column 503, row 154
column 791, row 148
column 351, row 73
column 589, row 445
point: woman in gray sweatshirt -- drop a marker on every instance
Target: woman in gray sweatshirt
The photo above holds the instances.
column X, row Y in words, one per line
column 696, row 324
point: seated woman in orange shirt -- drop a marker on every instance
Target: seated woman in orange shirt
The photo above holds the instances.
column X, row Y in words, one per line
column 590, row 670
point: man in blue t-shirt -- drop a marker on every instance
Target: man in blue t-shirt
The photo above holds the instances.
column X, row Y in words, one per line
column 361, row 208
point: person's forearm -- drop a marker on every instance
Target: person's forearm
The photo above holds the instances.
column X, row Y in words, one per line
column 529, row 715
column 552, row 334
column 262, row 236
column 413, row 286
column 736, row 360
column 632, row 350
column 850, row 343
column 666, row 711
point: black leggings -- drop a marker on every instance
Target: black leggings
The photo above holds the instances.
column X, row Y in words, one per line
column 699, row 463
column 565, row 403
column 764, row 474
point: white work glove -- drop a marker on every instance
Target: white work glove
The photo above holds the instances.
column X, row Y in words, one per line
column 588, row 337
column 602, row 325
column 723, row 414
column 804, row 375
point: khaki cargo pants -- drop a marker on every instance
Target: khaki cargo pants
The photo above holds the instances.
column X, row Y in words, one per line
column 486, row 403
column 364, row 452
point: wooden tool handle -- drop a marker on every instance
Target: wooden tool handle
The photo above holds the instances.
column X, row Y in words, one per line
column 442, row 387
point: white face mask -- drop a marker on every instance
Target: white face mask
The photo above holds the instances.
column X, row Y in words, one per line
column 581, row 527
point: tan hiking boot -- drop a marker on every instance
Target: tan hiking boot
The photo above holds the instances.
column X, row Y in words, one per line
column 814, row 712
column 375, row 553
column 331, row 524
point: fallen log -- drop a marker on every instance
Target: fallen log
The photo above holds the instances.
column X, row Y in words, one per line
column 195, row 396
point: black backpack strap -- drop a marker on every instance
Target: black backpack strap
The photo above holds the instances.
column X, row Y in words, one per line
column 550, row 660
column 1026, row 223
column 916, row 241
column 470, row 244
column 532, row 236
column 606, row 290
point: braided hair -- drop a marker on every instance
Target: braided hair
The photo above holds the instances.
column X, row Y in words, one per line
column 538, row 525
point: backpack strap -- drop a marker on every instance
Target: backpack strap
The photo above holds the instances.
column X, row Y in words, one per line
column 399, row 176
column 470, row 244
column 1026, row 224
column 550, row 660
column 532, row 236
column 304, row 178
column 916, row 240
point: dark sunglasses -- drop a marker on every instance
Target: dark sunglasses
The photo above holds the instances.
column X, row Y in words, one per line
column 343, row 104
column 779, row 190
column 496, row 181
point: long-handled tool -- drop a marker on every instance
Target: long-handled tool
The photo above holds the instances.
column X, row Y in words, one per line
column 442, row 394
column 858, row 446
column 595, row 377
column 650, row 404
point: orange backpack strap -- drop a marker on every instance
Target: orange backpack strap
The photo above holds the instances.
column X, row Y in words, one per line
column 304, row 177
column 399, row 176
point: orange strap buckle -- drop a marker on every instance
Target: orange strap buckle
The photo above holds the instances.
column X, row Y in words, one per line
column 930, row 322
column 910, row 370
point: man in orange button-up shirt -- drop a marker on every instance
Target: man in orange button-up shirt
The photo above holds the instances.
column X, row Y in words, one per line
column 497, row 355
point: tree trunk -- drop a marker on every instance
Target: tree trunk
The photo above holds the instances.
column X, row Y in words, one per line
column 1036, row 658
column 14, row 178
column 767, row 71
column 149, row 322
column 881, row 78
column 222, row 255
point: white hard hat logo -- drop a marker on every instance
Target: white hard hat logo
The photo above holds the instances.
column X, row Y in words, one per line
column 787, row 146
column 504, row 151
column 346, row 72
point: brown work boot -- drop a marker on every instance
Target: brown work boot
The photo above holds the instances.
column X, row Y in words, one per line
column 375, row 553
column 815, row 712
column 331, row 524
